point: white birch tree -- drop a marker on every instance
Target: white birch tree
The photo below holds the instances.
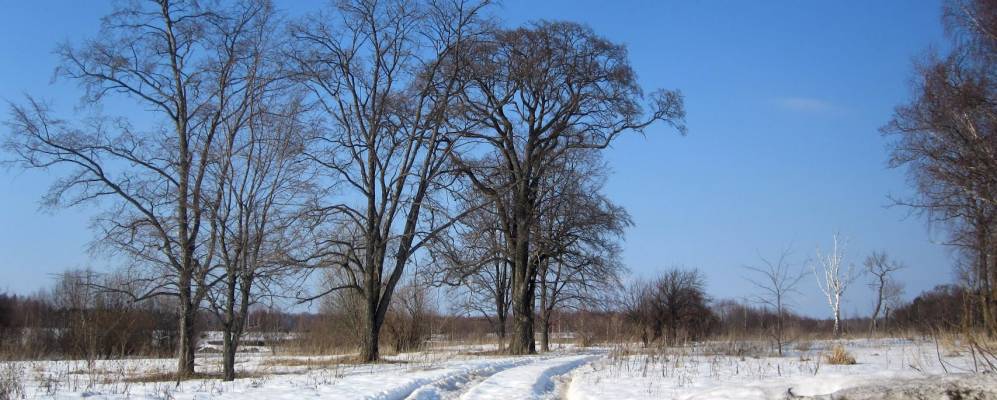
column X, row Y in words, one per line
column 833, row 277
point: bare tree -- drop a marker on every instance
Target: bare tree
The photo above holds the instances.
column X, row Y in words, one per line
column 471, row 259
column 881, row 268
column 263, row 184
column 833, row 278
column 893, row 299
column 531, row 94
column 577, row 238
column 671, row 306
column 945, row 137
column 186, row 64
column 778, row 282
column 382, row 75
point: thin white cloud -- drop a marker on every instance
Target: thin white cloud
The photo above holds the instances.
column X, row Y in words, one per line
column 805, row 104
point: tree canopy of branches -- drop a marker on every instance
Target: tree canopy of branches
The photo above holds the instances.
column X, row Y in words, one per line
column 190, row 67
column 528, row 96
column 946, row 137
column 381, row 75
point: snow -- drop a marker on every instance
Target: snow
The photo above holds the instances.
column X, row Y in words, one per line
column 689, row 374
column 461, row 372
column 531, row 381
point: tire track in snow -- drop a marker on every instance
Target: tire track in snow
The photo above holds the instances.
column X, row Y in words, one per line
column 450, row 385
column 530, row 381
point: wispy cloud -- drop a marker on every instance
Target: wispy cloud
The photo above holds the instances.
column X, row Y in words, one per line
column 805, row 104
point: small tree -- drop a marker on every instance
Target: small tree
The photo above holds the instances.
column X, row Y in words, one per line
column 778, row 280
column 832, row 278
column 675, row 303
column 880, row 267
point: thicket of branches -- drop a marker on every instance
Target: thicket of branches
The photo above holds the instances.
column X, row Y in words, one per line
column 946, row 138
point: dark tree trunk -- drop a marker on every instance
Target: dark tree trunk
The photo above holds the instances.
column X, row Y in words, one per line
column 983, row 264
column 370, row 347
column 187, row 341
column 544, row 314
column 545, row 331
column 523, row 278
column 874, row 322
column 228, row 355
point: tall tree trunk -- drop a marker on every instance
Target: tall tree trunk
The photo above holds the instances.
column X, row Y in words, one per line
column 544, row 330
column 523, row 275
column 370, row 346
column 371, row 341
column 992, row 284
column 228, row 355
column 187, row 341
column 522, row 341
column 874, row 321
column 779, row 330
column 983, row 276
column 501, row 317
column 837, row 321
column 544, row 317
column 545, row 306
column 501, row 332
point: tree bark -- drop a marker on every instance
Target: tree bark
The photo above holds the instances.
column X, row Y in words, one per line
column 874, row 322
column 370, row 346
column 523, row 277
column 544, row 316
column 228, row 356
column 187, row 341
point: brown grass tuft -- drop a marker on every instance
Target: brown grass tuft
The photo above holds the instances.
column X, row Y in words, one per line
column 839, row 356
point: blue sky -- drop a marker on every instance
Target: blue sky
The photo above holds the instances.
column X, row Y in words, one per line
column 784, row 102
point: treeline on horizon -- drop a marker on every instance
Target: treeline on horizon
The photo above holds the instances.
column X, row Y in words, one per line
column 71, row 322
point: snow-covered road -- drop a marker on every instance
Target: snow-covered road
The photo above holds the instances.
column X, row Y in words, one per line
column 466, row 378
column 684, row 373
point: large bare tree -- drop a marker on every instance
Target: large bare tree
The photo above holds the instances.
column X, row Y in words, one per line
column 946, row 137
column 577, row 238
column 530, row 95
column 188, row 68
column 264, row 184
column 383, row 75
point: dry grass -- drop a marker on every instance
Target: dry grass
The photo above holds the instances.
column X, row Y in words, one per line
column 321, row 362
column 153, row 377
column 839, row 356
column 11, row 384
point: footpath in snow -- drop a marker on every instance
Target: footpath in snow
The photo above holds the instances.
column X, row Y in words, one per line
column 526, row 382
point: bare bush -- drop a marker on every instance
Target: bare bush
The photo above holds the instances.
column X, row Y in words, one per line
column 11, row 381
column 839, row 356
column 671, row 307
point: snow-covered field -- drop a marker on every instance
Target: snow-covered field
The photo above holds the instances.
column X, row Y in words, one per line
column 707, row 371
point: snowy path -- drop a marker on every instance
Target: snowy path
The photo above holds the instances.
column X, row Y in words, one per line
column 530, row 381
column 395, row 384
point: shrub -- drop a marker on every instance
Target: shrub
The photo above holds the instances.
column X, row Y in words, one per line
column 11, row 386
column 839, row 356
